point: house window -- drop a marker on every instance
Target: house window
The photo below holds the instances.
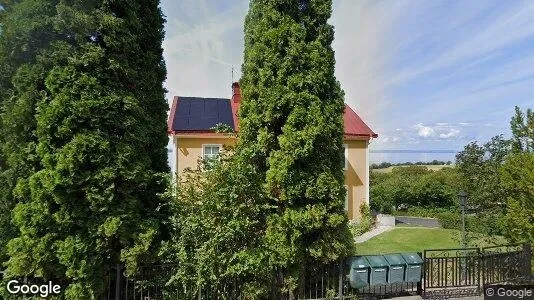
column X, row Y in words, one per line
column 210, row 153
column 346, row 198
column 346, row 156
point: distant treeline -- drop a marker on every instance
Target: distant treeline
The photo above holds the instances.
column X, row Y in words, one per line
column 497, row 177
column 435, row 162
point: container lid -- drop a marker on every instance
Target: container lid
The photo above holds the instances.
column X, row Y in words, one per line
column 395, row 259
column 377, row 261
column 359, row 262
column 412, row 258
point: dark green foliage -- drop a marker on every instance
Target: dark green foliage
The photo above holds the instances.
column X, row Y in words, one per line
column 291, row 132
column 413, row 186
column 219, row 222
column 25, row 33
column 85, row 120
column 522, row 125
column 518, row 178
column 364, row 224
column 478, row 167
column 450, row 219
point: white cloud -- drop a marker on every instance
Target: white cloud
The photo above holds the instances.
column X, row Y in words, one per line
column 451, row 134
column 425, row 131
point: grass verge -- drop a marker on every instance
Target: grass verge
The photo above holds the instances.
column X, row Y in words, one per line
column 417, row 239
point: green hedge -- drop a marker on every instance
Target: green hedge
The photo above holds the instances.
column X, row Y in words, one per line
column 451, row 218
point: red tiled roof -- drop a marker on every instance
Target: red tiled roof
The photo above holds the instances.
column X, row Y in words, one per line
column 172, row 113
column 355, row 127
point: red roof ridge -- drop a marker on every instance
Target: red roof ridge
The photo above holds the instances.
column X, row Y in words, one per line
column 172, row 114
column 354, row 126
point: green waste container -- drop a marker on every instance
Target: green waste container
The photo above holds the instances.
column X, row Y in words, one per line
column 379, row 269
column 359, row 272
column 397, row 267
column 414, row 266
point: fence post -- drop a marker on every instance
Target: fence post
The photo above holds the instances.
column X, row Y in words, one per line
column 420, row 282
column 118, row 283
column 482, row 267
column 480, row 270
column 340, row 287
column 527, row 250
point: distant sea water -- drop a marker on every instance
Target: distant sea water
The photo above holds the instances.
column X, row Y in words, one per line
column 402, row 156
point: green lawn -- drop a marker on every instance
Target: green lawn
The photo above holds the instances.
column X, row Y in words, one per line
column 414, row 239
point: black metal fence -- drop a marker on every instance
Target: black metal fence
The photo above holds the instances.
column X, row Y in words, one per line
column 465, row 272
column 446, row 273
column 505, row 264
column 327, row 282
column 156, row 282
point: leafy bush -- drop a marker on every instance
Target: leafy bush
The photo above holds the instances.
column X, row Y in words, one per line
column 413, row 186
column 365, row 224
column 219, row 215
column 449, row 219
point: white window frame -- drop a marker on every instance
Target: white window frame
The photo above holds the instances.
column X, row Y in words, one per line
column 346, row 156
column 204, row 146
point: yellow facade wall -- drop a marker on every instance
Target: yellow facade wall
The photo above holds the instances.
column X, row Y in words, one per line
column 357, row 176
column 188, row 151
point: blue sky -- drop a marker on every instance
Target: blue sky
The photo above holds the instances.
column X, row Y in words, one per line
column 423, row 74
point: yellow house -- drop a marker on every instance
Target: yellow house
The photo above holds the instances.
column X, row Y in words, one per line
column 190, row 124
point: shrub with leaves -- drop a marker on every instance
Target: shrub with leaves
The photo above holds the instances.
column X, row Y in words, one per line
column 364, row 224
column 219, row 224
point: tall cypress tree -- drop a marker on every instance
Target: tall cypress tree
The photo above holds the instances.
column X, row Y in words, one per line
column 26, row 30
column 291, row 130
column 100, row 140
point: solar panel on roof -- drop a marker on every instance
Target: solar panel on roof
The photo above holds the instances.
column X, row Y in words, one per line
column 195, row 113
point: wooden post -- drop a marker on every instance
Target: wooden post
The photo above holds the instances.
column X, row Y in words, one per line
column 118, row 283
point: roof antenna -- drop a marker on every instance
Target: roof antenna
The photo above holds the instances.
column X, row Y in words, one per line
column 232, row 74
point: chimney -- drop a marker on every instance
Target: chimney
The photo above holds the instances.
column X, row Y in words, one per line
column 236, row 93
